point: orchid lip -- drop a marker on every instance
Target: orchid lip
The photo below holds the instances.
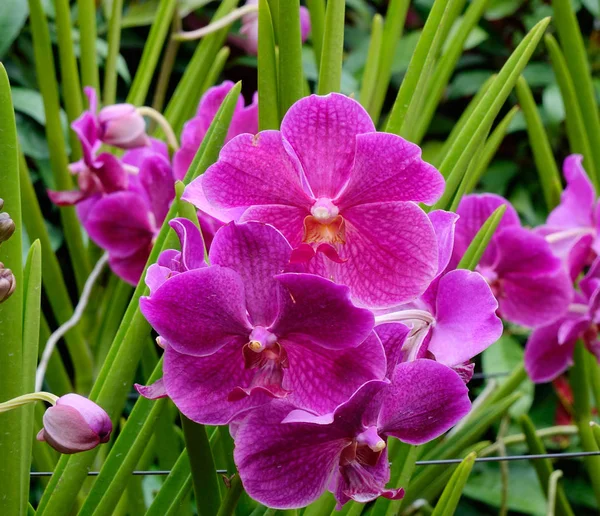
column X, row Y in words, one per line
column 568, row 233
column 579, row 308
column 406, row 316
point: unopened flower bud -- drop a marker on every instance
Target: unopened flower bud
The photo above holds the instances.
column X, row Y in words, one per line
column 75, row 424
column 7, row 283
column 7, row 227
column 1, row 204
column 122, row 126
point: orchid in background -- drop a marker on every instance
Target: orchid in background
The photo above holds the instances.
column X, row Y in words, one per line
column 531, row 285
column 247, row 329
column 288, row 457
column 342, row 194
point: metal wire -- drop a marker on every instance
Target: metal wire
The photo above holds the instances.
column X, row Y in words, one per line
column 439, row 462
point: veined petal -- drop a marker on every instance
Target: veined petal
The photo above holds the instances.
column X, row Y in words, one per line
column 391, row 253
column 130, row 268
column 465, row 321
column 393, row 336
column 389, row 168
column 199, row 311
column 424, row 400
column 157, row 180
column 545, row 358
column 322, row 132
column 257, row 252
column 192, row 245
column 287, row 219
column 318, row 311
column 444, row 223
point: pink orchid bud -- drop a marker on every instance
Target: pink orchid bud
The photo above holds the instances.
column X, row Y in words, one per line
column 75, row 424
column 7, row 283
column 7, row 227
column 122, row 126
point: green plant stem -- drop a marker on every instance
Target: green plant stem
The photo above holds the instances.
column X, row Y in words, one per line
column 71, row 86
column 11, row 312
column 579, row 378
column 202, row 466
column 370, row 74
column 44, row 64
column 166, row 67
column 330, row 69
column 232, row 497
column 291, row 77
column 54, row 283
column 114, row 43
column 87, row 31
column 152, row 49
column 175, row 485
column 316, row 8
column 268, row 105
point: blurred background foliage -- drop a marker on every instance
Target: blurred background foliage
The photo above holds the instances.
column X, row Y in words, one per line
column 511, row 173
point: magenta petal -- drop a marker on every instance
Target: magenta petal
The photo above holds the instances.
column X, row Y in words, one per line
column 473, row 211
column 257, row 252
column 318, row 311
column 153, row 391
column 135, row 157
column 287, row 219
column 465, row 319
column 444, row 223
column 66, row 197
column 319, row 379
column 389, row 168
column 192, row 245
column 199, row 311
column 120, row 224
column 545, row 358
column 576, row 206
column 393, row 336
column 254, row 170
column 572, row 328
column 286, row 465
column 157, row 179
column 131, row 267
column 322, row 132
column 381, row 234
column 424, row 400
column 200, row 386
column 156, row 276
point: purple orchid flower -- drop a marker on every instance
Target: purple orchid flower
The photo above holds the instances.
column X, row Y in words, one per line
column 245, row 120
column 244, row 331
column 328, row 179
column 572, row 227
column 549, row 350
column 452, row 322
column 531, row 285
column 125, row 223
column 250, row 28
column 288, row 457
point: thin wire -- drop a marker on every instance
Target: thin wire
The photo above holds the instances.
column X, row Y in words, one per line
column 418, row 463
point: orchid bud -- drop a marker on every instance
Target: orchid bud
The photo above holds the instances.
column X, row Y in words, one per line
column 7, row 227
column 75, row 424
column 7, row 283
column 122, row 126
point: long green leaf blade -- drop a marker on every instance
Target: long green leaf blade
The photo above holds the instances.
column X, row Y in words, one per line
column 316, row 8
column 371, row 72
column 291, row 77
column 330, row 70
column 448, row 502
column 481, row 240
column 268, row 104
column 88, row 33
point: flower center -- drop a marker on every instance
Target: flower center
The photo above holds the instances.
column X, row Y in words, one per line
column 364, row 449
column 261, row 339
column 324, row 211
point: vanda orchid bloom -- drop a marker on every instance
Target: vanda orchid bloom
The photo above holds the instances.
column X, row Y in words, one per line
column 572, row 228
column 549, row 350
column 287, row 457
column 243, row 331
column 531, row 285
column 335, row 187
column 453, row 321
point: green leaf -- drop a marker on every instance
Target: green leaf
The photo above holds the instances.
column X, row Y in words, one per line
column 448, row 502
column 577, row 63
column 87, row 29
column 330, row 69
column 152, row 49
column 13, row 15
column 543, row 467
column 505, row 355
column 11, row 311
column 31, row 103
column 316, row 9
column 553, row 105
column 481, row 240
column 291, row 79
column 370, row 74
column 268, row 105
column 454, row 165
column 542, row 151
column 114, row 42
column 499, row 9
column 579, row 139
column 174, row 489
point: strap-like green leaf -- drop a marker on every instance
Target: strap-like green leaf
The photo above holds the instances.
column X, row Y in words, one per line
column 454, row 165
column 268, row 105
column 316, row 9
column 291, row 77
column 579, row 139
column 371, row 71
column 330, row 69
column 575, row 52
column 448, row 502
column 11, row 310
column 542, row 151
column 88, row 33
column 482, row 239
column 114, row 42
column 174, row 489
column 543, row 467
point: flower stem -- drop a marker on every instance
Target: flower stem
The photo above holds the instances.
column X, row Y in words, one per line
column 19, row 401
column 163, row 123
column 581, row 406
column 231, row 499
column 216, row 26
